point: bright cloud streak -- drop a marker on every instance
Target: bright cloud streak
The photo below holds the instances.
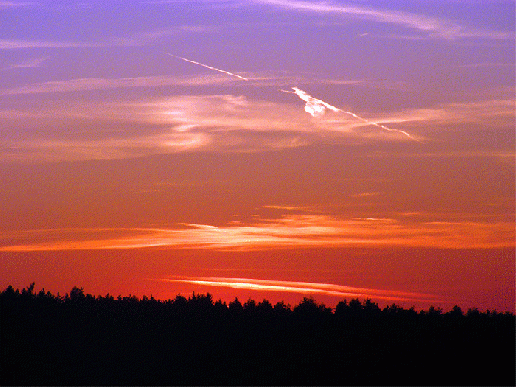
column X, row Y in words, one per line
column 304, row 288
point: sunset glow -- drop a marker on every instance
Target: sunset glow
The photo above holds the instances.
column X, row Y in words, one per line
column 277, row 148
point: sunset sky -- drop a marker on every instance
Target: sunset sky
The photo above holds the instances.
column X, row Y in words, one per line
column 262, row 148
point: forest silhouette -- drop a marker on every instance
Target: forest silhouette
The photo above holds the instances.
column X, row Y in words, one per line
column 81, row 339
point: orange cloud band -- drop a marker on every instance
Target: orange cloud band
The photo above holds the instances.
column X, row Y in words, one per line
column 292, row 231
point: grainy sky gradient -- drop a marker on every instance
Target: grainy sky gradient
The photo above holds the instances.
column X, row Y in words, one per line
column 267, row 149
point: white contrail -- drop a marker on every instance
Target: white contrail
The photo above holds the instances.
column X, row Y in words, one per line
column 381, row 126
column 314, row 106
column 317, row 107
column 209, row 67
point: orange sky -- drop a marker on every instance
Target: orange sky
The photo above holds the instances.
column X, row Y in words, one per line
column 407, row 276
column 352, row 148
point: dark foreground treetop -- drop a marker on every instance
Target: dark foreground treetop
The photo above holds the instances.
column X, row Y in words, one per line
column 80, row 339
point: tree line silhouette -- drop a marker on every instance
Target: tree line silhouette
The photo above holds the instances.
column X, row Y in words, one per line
column 81, row 339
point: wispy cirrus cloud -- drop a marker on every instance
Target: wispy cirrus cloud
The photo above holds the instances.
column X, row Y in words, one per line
column 303, row 288
column 28, row 63
column 212, row 122
column 486, row 65
column 131, row 146
column 489, row 111
column 16, row 4
column 207, row 2
column 131, row 40
column 236, row 113
column 89, row 83
column 429, row 25
column 232, row 114
column 145, row 37
column 291, row 231
column 84, row 84
column 15, row 44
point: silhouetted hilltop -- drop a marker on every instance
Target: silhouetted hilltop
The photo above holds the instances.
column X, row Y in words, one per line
column 80, row 339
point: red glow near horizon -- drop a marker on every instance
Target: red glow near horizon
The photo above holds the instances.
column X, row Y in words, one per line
column 408, row 277
column 379, row 164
